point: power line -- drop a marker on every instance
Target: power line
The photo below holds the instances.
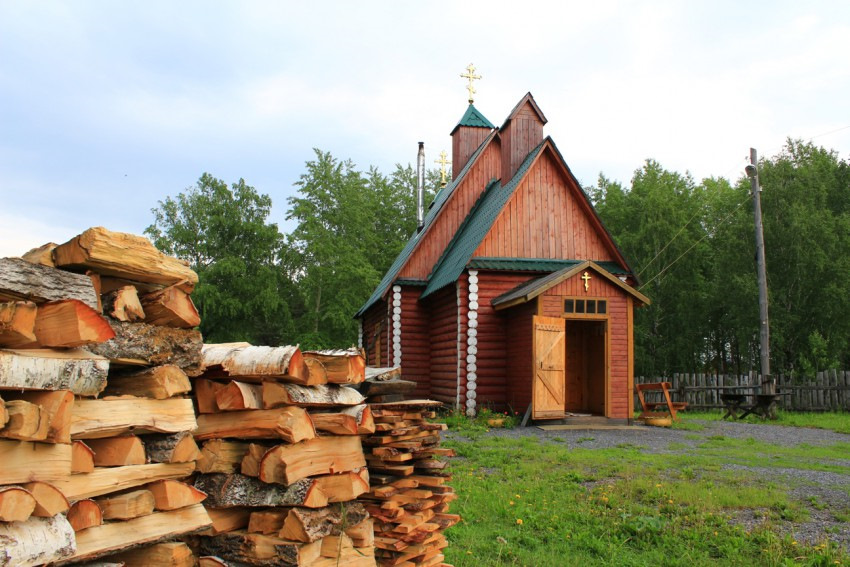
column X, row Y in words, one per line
column 706, row 235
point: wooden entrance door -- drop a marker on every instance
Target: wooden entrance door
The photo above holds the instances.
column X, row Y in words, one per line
column 547, row 389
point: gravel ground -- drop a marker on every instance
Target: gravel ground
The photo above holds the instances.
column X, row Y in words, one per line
column 826, row 495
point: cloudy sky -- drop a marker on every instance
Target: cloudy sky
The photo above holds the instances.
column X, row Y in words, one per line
column 108, row 107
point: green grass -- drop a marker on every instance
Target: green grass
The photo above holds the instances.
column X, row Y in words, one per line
column 833, row 421
column 526, row 502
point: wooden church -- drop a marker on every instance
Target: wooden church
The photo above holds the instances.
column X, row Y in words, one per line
column 513, row 293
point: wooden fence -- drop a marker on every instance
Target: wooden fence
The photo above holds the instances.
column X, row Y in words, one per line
column 828, row 391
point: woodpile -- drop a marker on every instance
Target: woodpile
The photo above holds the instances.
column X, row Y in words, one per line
column 281, row 456
column 409, row 499
column 95, row 428
column 127, row 441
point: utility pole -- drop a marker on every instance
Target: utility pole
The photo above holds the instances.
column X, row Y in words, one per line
column 767, row 384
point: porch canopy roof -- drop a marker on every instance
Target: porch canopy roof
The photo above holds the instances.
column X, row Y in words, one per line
column 527, row 291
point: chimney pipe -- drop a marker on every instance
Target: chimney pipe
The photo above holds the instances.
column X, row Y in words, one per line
column 420, row 187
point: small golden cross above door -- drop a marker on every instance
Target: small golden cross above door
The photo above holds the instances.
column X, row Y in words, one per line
column 443, row 161
column 586, row 277
column 470, row 74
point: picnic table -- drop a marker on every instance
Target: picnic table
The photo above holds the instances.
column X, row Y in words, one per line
column 665, row 407
column 762, row 406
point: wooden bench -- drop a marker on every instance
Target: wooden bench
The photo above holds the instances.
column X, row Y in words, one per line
column 666, row 407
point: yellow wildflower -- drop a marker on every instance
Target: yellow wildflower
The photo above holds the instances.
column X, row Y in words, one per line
column 519, row 521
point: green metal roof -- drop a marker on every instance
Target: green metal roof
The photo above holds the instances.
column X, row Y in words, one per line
column 475, row 227
column 439, row 200
column 472, row 117
column 536, row 265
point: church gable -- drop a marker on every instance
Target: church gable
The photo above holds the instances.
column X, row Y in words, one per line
column 456, row 208
column 549, row 217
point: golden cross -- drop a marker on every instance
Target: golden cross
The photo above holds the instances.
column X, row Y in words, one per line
column 586, row 277
column 470, row 74
column 443, row 163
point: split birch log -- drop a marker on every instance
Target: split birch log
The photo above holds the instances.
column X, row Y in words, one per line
column 169, row 554
column 323, row 395
column 42, row 255
column 252, row 459
column 93, row 419
column 221, row 456
column 236, row 490
column 127, row 506
column 107, row 538
column 122, row 255
column 335, row 423
column 23, row 281
column 383, row 388
column 355, row 420
column 344, row 487
column 286, row 464
column 111, row 479
column 25, row 461
column 362, row 534
column 170, row 307
column 123, row 304
column 36, row 541
column 205, row 394
column 340, row 366
column 56, row 406
column 211, row 561
column 17, row 323
column 304, row 524
column 156, row 345
column 339, row 550
column 159, row 383
column 173, row 494
column 258, row 549
column 27, row 422
column 267, row 522
column 70, row 323
column 4, row 415
column 171, row 448
column 378, row 374
column 255, row 363
column 76, row 370
column 49, row 500
column 16, row 504
column 84, row 514
column 117, row 451
column 291, row 424
column 227, row 520
column 82, row 458
column 239, row 396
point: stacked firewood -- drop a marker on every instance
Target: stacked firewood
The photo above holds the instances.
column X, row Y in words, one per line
column 281, row 457
column 103, row 315
column 410, row 497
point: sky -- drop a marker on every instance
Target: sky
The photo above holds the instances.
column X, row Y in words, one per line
column 108, row 107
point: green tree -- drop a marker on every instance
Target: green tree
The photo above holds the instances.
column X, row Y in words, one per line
column 244, row 293
column 350, row 227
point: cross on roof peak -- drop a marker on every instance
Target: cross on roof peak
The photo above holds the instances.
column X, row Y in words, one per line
column 471, row 76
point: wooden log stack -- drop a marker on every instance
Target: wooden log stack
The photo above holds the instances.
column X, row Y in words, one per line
column 84, row 477
column 281, row 457
column 409, row 499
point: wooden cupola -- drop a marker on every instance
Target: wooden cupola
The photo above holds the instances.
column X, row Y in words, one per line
column 469, row 133
column 521, row 133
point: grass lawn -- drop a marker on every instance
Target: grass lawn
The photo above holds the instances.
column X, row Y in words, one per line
column 529, row 501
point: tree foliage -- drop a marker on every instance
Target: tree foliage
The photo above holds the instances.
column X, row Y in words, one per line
column 693, row 245
column 243, row 293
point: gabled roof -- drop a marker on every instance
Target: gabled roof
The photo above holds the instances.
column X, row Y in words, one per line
column 479, row 221
column 474, row 119
column 527, row 99
column 433, row 211
column 545, row 265
column 531, row 289
column 475, row 227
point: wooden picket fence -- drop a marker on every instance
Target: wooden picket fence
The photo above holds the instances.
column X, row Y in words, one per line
column 827, row 391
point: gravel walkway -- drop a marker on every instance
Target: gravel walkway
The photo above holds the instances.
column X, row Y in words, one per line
column 826, row 495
